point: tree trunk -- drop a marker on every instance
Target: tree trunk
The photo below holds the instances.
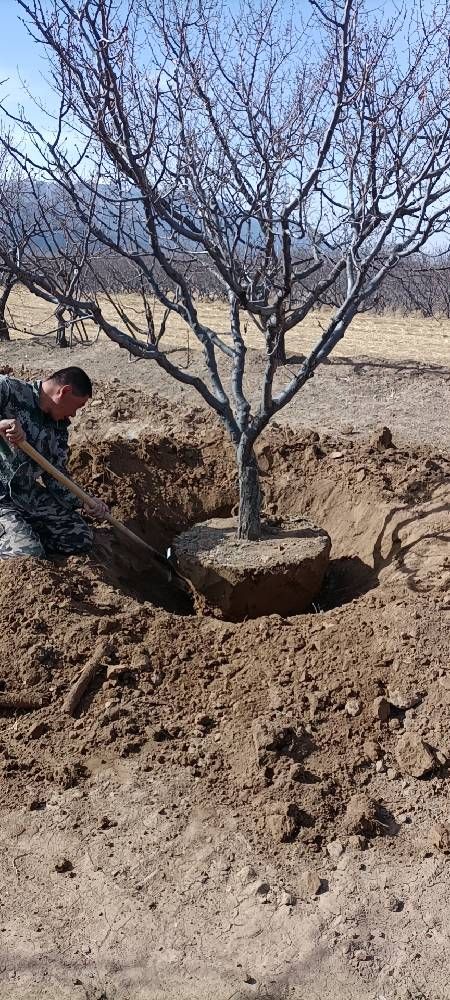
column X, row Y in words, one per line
column 61, row 339
column 4, row 331
column 280, row 350
column 249, row 519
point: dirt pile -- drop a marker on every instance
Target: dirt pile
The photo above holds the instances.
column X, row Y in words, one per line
column 280, row 721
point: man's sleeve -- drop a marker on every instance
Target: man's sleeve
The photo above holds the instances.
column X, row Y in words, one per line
column 60, row 452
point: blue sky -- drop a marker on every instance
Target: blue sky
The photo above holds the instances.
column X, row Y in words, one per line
column 17, row 49
column 20, row 56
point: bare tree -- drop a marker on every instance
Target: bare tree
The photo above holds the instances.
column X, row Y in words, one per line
column 13, row 243
column 8, row 281
column 302, row 161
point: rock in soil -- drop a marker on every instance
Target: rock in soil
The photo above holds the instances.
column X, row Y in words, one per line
column 414, row 756
column 394, row 904
column 353, row 707
column 382, row 439
column 118, row 671
column 288, row 899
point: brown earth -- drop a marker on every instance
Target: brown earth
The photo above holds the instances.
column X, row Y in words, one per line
column 238, row 809
column 237, row 579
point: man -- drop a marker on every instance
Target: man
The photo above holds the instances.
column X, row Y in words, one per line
column 40, row 518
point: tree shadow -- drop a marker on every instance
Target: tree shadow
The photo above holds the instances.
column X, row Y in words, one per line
column 407, row 365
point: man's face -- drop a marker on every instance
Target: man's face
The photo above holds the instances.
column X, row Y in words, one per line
column 65, row 403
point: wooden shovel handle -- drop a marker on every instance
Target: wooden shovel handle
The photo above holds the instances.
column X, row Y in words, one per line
column 87, row 499
column 53, row 471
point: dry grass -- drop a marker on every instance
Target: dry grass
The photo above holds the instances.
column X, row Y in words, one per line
column 390, row 336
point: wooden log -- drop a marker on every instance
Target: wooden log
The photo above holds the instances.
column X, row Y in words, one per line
column 19, row 702
column 78, row 689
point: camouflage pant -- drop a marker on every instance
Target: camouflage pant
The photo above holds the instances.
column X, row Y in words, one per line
column 44, row 531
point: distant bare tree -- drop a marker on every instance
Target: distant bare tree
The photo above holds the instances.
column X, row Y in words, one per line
column 11, row 182
column 7, row 282
column 300, row 161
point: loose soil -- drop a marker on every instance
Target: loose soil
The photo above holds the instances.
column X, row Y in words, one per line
column 238, row 809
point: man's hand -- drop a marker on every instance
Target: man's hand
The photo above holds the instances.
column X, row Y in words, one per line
column 12, row 431
column 96, row 508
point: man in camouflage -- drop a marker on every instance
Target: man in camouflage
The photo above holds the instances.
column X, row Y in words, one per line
column 40, row 518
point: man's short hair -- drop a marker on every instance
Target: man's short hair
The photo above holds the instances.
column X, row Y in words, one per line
column 79, row 382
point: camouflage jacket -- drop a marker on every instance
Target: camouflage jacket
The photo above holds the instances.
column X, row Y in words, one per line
column 18, row 473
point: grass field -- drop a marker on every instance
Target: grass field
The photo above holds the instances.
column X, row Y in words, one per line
column 389, row 336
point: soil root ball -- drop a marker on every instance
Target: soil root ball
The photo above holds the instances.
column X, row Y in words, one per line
column 281, row 573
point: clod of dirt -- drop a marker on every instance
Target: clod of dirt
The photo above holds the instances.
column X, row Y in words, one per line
column 310, row 884
column 288, row 898
column 335, row 849
column 141, row 661
column 36, row 805
column 37, row 730
column 281, row 573
column 404, row 698
column 439, row 837
column 394, row 904
column 246, row 875
column 392, row 774
column 105, row 823
column 118, row 672
column 260, row 888
column 284, row 820
column 363, row 816
column 70, row 774
column 63, row 865
column 381, row 709
column 357, row 842
column 382, row 439
column 372, row 751
column 414, row 756
column 269, row 736
column 112, row 714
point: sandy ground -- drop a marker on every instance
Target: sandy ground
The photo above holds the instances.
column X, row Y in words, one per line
column 237, row 810
column 392, row 337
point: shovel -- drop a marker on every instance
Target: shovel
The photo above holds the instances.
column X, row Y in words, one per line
column 171, row 573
